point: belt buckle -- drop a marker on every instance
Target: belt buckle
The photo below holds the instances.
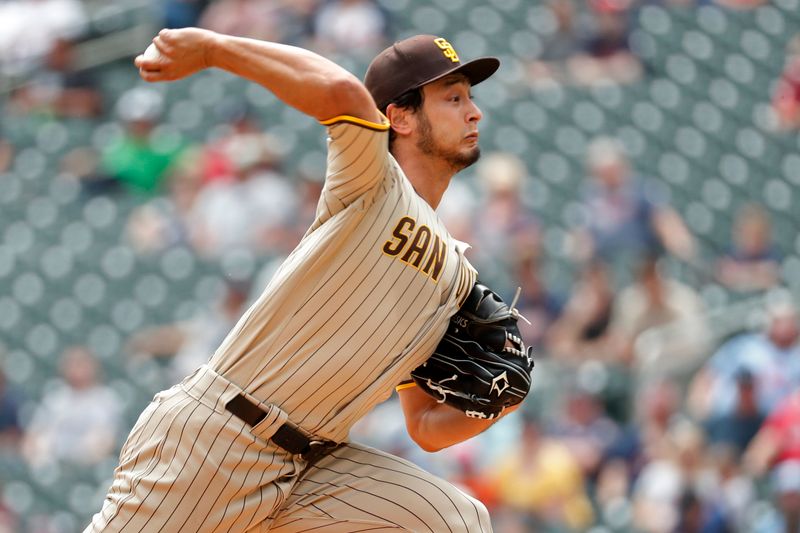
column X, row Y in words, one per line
column 316, row 449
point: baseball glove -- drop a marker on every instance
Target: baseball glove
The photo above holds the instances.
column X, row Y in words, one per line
column 481, row 364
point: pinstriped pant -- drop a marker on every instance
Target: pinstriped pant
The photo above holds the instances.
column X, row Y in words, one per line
column 190, row 465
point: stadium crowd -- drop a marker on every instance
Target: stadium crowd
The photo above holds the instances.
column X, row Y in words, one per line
column 642, row 417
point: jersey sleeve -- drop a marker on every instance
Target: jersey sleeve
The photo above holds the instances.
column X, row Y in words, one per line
column 357, row 157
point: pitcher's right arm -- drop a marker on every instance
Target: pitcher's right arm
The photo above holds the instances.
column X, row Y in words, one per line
column 302, row 79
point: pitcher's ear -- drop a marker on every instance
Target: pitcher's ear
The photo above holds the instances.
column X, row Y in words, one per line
column 400, row 118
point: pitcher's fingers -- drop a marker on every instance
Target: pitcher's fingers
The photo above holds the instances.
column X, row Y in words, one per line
column 150, row 65
column 147, row 63
column 166, row 36
column 152, row 75
column 163, row 46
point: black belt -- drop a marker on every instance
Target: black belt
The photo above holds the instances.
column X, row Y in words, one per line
column 288, row 436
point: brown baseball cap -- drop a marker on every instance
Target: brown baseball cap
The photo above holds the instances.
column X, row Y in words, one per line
column 416, row 61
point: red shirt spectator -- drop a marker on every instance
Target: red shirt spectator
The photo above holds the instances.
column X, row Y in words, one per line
column 786, row 100
column 784, row 424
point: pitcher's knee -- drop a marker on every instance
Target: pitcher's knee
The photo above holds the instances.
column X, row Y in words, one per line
column 482, row 521
column 468, row 514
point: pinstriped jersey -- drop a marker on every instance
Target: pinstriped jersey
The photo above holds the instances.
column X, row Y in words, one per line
column 363, row 299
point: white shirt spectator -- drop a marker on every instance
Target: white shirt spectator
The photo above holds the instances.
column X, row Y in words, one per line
column 349, row 25
column 28, row 29
column 78, row 418
column 241, row 214
column 76, row 425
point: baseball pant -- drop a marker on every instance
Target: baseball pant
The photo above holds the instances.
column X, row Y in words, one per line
column 190, row 465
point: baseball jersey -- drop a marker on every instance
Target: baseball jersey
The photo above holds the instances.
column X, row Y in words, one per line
column 363, row 299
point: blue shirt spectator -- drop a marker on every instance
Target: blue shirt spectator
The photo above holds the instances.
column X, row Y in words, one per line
column 771, row 357
column 625, row 218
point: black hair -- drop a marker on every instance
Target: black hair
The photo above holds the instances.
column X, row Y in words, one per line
column 412, row 100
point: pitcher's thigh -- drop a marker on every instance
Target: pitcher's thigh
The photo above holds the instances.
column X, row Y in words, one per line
column 188, row 468
column 357, row 488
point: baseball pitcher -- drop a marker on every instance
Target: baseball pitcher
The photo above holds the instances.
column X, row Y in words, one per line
column 257, row 438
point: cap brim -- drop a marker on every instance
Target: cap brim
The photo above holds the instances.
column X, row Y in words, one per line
column 476, row 70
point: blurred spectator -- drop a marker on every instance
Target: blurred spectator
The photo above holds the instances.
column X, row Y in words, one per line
column 9, row 523
column 58, row 87
column 737, row 428
column 729, row 486
column 458, row 212
column 741, row 4
column 141, row 158
column 655, row 300
column 254, row 209
column 611, row 492
column 163, row 221
column 541, row 480
column 563, row 41
column 657, row 413
column 308, row 191
column 771, row 357
column 696, row 515
column 10, row 430
column 680, row 3
column 659, row 488
column 786, row 99
column 587, row 46
column 239, row 148
column 606, row 46
column 752, row 263
column 183, row 13
column 29, row 29
column 82, row 163
column 776, row 450
column 624, row 218
column 78, row 418
column 222, row 158
column 646, row 438
column 559, row 46
column 582, row 331
column 504, row 228
column 6, row 154
column 278, row 21
column 191, row 343
column 243, row 18
column 586, row 430
column 540, row 306
column 358, row 27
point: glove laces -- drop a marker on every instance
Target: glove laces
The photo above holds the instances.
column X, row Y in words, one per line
column 514, row 311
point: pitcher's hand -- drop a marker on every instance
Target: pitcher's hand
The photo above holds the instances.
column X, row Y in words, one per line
column 182, row 52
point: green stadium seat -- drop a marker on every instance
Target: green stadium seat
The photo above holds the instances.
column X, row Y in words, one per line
column 151, row 289
column 66, row 314
column 510, row 6
column 655, row 20
column 18, row 365
column 665, row 93
column 486, row 20
column 18, row 495
column 30, row 164
column 105, row 341
column 100, row 212
column 185, row 114
column 698, row 45
column 771, row 20
column 589, row 117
